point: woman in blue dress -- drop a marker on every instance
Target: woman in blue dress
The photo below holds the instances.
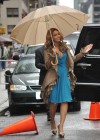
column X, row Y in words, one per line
column 56, row 86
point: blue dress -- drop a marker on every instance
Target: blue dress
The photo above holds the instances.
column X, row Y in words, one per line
column 61, row 91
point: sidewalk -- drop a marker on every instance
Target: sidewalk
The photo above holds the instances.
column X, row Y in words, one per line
column 3, row 92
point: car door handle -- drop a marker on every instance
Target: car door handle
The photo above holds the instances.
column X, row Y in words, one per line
column 84, row 65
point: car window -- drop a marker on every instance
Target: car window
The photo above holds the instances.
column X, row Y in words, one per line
column 93, row 36
column 26, row 66
column 72, row 50
column 95, row 51
column 30, row 50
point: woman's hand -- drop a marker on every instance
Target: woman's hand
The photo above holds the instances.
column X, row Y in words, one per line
column 86, row 49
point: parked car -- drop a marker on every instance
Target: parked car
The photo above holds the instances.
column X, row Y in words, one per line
column 87, row 70
column 73, row 38
column 24, row 88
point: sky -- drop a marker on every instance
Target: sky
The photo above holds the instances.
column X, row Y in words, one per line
column 68, row 3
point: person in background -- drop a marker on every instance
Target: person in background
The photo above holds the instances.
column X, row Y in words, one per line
column 56, row 87
column 3, row 55
column 39, row 63
column 0, row 57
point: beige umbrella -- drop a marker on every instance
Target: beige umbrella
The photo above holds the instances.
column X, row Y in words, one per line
column 32, row 29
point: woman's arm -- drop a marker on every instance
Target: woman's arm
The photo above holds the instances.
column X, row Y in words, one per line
column 83, row 52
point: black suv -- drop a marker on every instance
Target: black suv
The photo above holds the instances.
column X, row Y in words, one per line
column 87, row 70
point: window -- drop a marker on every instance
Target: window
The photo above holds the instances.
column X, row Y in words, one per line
column 97, row 9
column 50, row 2
column 96, row 1
column 12, row 12
column 10, row 28
column 96, row 15
column 34, row 4
column 93, row 36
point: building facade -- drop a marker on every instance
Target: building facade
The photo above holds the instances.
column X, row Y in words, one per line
column 11, row 12
column 92, row 8
column 34, row 4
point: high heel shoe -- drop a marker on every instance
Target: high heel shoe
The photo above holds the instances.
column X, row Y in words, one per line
column 60, row 134
column 54, row 131
column 53, row 128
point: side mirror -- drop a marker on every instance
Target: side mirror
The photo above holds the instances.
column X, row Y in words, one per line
column 7, row 78
column 16, row 57
column 8, row 72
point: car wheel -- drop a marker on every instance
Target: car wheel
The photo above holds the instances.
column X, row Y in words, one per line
column 9, row 98
column 6, row 81
column 12, row 108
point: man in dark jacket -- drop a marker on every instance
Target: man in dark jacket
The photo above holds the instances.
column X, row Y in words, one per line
column 3, row 55
column 39, row 63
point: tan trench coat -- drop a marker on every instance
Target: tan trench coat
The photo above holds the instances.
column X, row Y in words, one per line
column 51, row 76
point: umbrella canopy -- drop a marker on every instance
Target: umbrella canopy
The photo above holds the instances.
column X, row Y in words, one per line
column 5, row 39
column 32, row 29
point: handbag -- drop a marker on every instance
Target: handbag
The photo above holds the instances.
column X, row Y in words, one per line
column 73, row 80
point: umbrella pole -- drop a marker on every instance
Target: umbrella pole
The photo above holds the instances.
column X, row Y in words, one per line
column 53, row 64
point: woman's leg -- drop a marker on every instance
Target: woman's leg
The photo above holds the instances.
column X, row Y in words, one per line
column 53, row 108
column 63, row 113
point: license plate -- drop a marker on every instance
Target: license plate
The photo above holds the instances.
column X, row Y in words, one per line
column 38, row 95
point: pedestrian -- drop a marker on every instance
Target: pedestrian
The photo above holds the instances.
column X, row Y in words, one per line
column 39, row 63
column 3, row 55
column 56, row 87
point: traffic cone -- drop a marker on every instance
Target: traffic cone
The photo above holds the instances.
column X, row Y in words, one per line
column 94, row 111
column 27, row 124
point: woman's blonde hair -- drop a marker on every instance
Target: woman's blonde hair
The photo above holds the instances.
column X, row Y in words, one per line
column 49, row 41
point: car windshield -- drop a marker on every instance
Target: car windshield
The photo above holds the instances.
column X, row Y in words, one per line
column 31, row 49
column 26, row 66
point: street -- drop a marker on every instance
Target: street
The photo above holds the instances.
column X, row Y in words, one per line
column 76, row 127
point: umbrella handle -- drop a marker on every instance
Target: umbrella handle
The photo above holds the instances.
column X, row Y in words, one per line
column 54, row 64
